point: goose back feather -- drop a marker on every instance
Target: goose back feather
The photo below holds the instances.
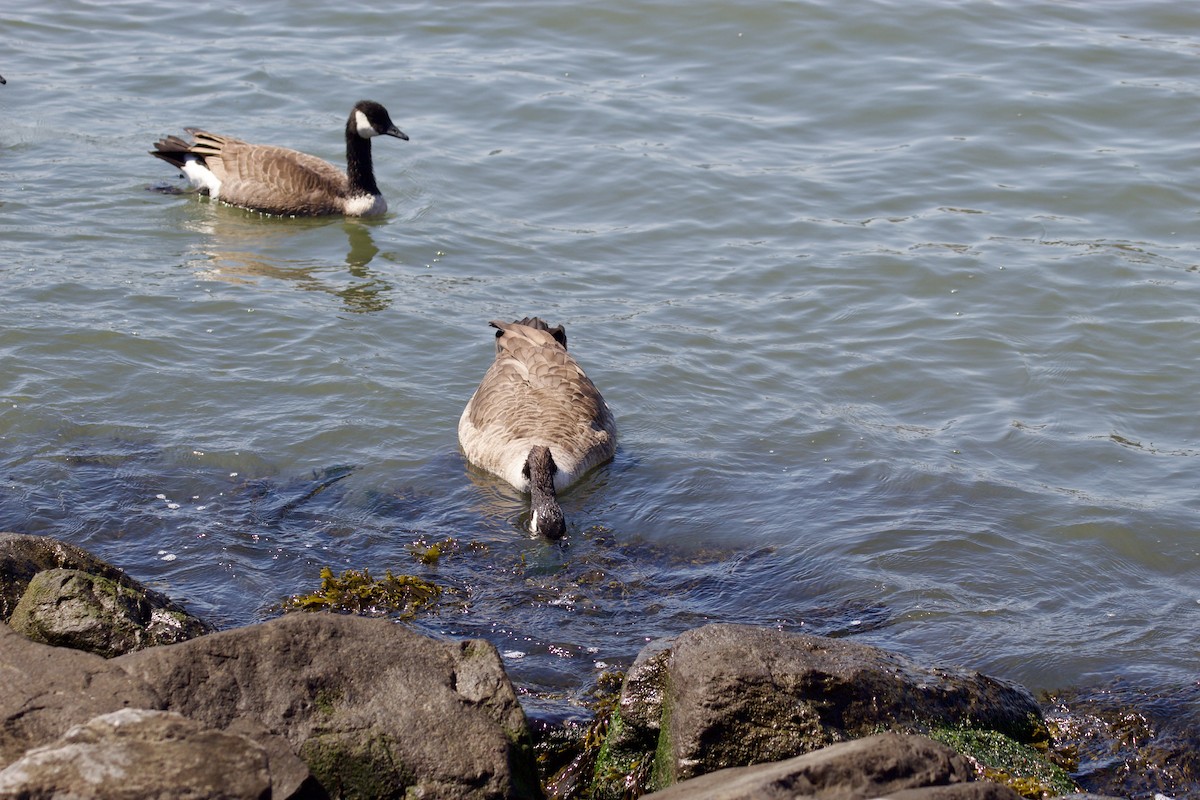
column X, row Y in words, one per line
column 535, row 396
column 278, row 180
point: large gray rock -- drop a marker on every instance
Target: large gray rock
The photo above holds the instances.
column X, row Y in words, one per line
column 142, row 755
column 891, row 765
column 47, row 689
column 373, row 708
column 732, row 695
column 57, row 593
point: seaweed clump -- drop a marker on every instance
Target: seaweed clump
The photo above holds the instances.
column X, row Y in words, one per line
column 356, row 592
column 430, row 554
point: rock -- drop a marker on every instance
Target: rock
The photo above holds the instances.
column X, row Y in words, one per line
column 71, row 608
column 963, row 791
column 57, row 593
column 290, row 777
column 732, row 695
column 373, row 708
column 898, row 767
column 47, row 689
column 140, row 754
column 22, row 556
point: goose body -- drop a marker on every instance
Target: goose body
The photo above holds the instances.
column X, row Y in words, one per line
column 537, row 420
column 277, row 180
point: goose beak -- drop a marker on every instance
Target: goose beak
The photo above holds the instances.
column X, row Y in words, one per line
column 394, row 131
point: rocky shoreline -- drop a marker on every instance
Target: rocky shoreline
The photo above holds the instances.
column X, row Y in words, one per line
column 113, row 690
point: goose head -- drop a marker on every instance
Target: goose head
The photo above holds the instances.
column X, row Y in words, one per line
column 546, row 516
column 371, row 119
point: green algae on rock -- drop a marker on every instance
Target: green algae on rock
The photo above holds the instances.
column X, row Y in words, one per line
column 999, row 759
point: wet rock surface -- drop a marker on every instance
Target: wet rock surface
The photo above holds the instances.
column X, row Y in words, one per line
column 324, row 705
column 56, row 593
column 731, row 695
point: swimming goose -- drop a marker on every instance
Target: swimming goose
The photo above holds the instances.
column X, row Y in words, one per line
column 536, row 420
column 276, row 180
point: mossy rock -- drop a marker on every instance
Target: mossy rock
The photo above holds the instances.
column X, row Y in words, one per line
column 98, row 614
column 23, row 557
column 724, row 696
column 1002, row 760
column 360, row 765
column 619, row 773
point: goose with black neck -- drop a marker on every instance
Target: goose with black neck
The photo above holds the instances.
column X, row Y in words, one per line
column 281, row 181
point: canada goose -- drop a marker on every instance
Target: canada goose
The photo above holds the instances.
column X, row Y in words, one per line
column 536, row 420
column 276, row 180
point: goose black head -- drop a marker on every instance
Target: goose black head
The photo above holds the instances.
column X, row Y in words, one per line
column 371, row 119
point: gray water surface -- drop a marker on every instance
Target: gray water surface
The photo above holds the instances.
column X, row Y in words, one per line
column 895, row 304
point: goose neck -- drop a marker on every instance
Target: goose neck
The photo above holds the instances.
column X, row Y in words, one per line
column 546, row 516
column 359, row 169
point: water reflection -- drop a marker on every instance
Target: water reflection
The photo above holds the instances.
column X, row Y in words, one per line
column 244, row 247
column 371, row 293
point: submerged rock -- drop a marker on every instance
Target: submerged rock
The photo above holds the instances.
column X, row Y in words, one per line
column 1132, row 740
column 731, row 695
column 59, row 594
column 373, row 708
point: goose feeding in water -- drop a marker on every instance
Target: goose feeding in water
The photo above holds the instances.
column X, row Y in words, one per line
column 277, row 180
column 537, row 420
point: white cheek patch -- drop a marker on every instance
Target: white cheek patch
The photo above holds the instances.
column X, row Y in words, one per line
column 533, row 519
column 364, row 126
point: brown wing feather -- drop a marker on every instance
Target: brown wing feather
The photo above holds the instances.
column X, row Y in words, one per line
column 536, row 393
column 277, row 180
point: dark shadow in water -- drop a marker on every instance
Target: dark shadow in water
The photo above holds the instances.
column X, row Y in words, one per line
column 83, row 482
column 281, row 501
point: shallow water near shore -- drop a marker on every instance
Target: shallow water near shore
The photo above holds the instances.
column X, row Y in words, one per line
column 895, row 306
